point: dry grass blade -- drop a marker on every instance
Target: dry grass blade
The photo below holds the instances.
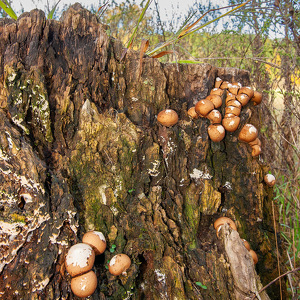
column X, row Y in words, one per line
column 189, row 29
column 102, row 9
column 144, row 47
column 163, row 53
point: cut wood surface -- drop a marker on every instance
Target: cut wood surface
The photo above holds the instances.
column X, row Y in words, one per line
column 81, row 149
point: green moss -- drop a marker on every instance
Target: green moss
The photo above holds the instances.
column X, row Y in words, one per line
column 17, row 218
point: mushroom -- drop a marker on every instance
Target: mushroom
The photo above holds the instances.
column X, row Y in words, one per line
column 270, row 180
column 246, row 90
column 192, row 113
column 96, row 240
column 257, row 97
column 256, row 150
column 246, row 244
column 232, row 110
column 204, row 107
column 225, row 85
column 217, row 91
column 243, row 98
column 255, row 142
column 167, row 117
column 119, row 264
column 218, row 82
column 216, row 132
column 234, row 103
column 234, row 88
column 254, row 256
column 231, row 123
column 215, row 99
column 80, row 259
column 223, row 220
column 215, row 117
column 84, row 285
column 229, row 97
column 248, row 133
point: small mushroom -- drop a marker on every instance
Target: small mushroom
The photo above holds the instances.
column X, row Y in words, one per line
column 80, row 259
column 218, row 82
column 232, row 110
column 119, row 264
column 225, row 85
column 246, row 90
column 84, row 285
column 167, row 117
column 215, row 117
column 246, row 244
column 96, row 240
column 229, row 97
column 255, row 142
column 243, row 98
column 229, row 115
column 204, row 107
column 231, row 123
column 256, row 150
column 234, row 88
column 215, row 99
column 248, row 133
column 192, row 113
column 254, row 256
column 216, row 132
column 270, row 180
column 217, row 91
column 223, row 220
column 257, row 97
column 234, row 103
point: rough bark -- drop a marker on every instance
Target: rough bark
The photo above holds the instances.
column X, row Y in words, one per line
column 81, row 149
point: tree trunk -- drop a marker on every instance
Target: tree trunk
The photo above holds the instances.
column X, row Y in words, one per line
column 81, row 149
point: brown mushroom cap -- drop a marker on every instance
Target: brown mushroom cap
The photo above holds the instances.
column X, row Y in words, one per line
column 270, row 180
column 246, row 244
column 217, row 91
column 247, row 90
column 255, row 142
column 248, row 133
column 254, row 256
column 95, row 239
column 257, row 97
column 119, row 264
column 218, row 82
column 225, row 85
column 215, row 99
column 229, row 116
column 234, row 103
column 192, row 113
column 216, row 132
column 167, row 117
column 204, row 107
column 229, row 97
column 256, row 150
column 243, row 98
column 84, row 285
column 215, row 117
column 80, row 259
column 221, row 221
column 232, row 110
column 234, row 88
column 231, row 124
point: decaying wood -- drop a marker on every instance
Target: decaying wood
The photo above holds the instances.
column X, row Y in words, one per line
column 80, row 149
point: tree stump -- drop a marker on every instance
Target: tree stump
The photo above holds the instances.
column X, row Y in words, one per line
column 80, row 149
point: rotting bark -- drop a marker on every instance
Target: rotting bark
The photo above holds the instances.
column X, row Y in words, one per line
column 81, row 149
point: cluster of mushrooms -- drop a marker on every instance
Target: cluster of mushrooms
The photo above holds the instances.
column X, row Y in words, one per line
column 80, row 261
column 224, row 220
column 237, row 96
